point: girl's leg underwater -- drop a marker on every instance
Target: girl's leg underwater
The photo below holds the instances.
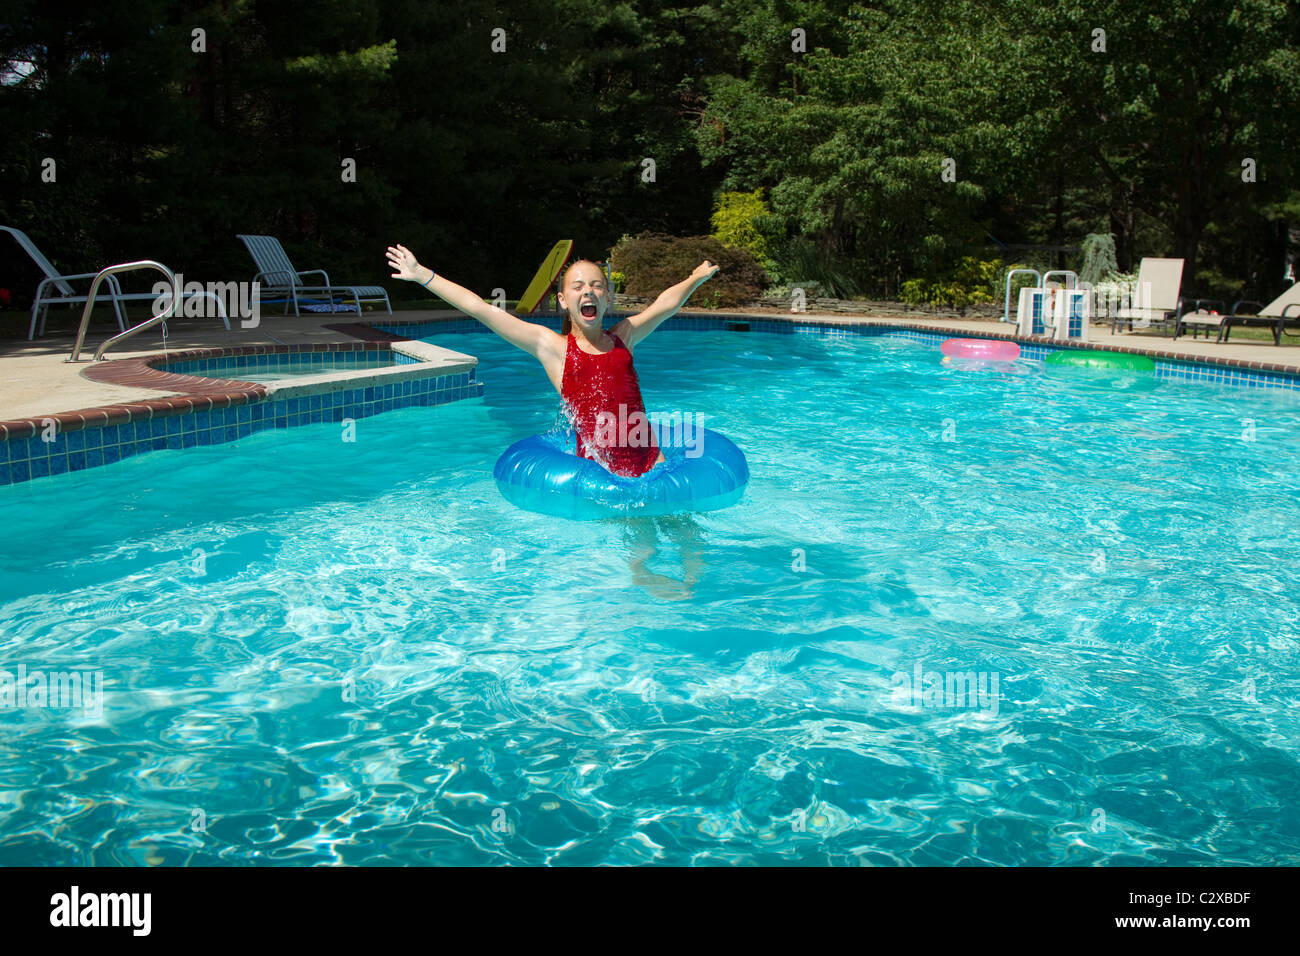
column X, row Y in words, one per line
column 642, row 536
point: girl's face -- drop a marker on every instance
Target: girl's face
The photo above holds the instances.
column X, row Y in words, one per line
column 584, row 296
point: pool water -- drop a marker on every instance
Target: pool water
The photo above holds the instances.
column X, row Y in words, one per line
column 284, row 366
column 289, row 371
column 321, row 651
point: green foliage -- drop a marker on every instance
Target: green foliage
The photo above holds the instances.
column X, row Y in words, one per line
column 1196, row 82
column 852, row 136
column 350, row 66
column 479, row 161
column 1050, row 135
column 653, row 262
column 744, row 221
column 970, row 283
column 1098, row 257
column 476, row 161
column 800, row 263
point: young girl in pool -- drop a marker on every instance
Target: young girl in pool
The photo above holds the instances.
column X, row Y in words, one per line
column 590, row 367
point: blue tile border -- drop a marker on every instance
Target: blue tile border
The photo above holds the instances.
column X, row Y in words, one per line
column 1172, row 369
column 24, row 459
column 1166, row 367
column 229, row 366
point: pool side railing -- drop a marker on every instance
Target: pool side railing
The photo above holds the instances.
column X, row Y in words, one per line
column 173, row 301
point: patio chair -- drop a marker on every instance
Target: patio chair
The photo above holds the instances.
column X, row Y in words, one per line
column 1158, row 283
column 1273, row 316
column 55, row 289
column 279, row 278
column 1198, row 315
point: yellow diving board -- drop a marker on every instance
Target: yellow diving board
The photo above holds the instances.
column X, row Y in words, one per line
column 550, row 268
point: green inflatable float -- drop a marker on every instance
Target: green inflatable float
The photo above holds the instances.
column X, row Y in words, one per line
column 1118, row 361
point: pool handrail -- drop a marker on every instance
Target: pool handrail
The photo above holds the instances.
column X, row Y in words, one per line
column 1071, row 278
column 149, row 323
column 1006, row 305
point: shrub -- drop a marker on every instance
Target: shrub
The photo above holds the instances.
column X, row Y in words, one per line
column 1098, row 257
column 652, row 262
column 801, row 264
column 970, row 283
column 1113, row 289
column 743, row 221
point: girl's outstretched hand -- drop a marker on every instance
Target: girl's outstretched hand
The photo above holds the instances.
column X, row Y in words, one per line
column 403, row 263
column 704, row 270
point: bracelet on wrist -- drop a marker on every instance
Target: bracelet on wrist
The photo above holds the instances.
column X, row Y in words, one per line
column 432, row 275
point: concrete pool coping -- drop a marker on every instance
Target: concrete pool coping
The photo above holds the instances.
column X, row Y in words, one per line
column 131, row 388
column 357, row 379
column 144, row 373
column 36, row 383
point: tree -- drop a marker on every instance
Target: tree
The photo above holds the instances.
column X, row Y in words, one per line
column 867, row 145
column 1167, row 102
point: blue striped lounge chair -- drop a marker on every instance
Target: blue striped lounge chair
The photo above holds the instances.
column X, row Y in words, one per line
column 279, row 279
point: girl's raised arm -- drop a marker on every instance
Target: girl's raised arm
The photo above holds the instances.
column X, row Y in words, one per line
column 524, row 335
column 638, row 326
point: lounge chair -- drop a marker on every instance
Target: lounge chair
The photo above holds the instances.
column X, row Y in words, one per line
column 1158, row 283
column 1273, row 316
column 279, row 278
column 1198, row 315
column 55, row 289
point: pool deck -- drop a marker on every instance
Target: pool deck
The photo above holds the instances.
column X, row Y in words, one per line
column 36, row 381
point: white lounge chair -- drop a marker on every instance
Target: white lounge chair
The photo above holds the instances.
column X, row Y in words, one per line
column 1273, row 316
column 278, row 277
column 56, row 290
column 1156, row 298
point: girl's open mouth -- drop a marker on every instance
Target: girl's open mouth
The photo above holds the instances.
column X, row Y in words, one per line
column 588, row 311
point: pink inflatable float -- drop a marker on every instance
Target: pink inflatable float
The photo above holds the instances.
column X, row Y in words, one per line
column 987, row 350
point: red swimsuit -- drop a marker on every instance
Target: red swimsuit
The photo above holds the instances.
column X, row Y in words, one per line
column 605, row 407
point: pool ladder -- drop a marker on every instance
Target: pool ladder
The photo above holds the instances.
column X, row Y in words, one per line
column 1076, row 302
column 172, row 301
column 1071, row 282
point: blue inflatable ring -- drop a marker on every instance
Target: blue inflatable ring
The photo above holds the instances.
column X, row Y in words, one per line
column 543, row 474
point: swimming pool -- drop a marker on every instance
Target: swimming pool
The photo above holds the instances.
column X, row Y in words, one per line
column 268, row 367
column 317, row 650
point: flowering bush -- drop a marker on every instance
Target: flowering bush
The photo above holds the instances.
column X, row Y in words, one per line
column 1109, row 294
column 1116, row 285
